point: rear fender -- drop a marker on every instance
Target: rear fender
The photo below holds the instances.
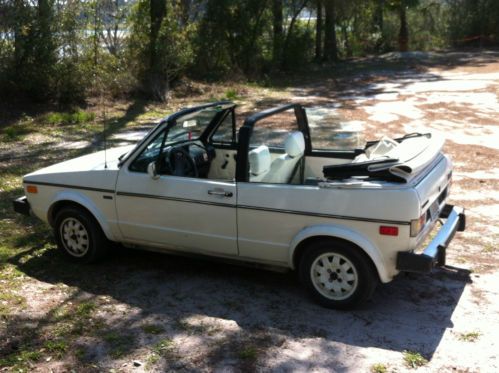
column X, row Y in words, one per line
column 347, row 234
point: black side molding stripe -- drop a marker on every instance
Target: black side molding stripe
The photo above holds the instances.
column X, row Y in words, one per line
column 127, row 194
column 69, row 186
column 304, row 213
column 340, row 217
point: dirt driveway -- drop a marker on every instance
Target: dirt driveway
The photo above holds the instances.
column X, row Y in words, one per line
column 148, row 312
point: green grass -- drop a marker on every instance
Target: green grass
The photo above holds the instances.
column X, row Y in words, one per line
column 469, row 336
column 118, row 344
column 16, row 132
column 489, row 248
column 414, row 359
column 20, row 361
column 379, row 368
column 85, row 309
column 152, row 329
column 248, row 353
column 165, row 349
column 165, row 346
column 63, row 118
column 151, row 361
column 57, row 347
column 201, row 328
column 231, row 94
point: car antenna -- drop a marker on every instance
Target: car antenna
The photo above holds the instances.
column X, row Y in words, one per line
column 99, row 80
column 104, row 130
column 104, row 117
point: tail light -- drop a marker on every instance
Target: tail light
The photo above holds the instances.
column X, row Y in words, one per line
column 417, row 225
column 386, row 230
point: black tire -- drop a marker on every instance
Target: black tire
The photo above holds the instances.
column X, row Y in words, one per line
column 346, row 262
column 86, row 242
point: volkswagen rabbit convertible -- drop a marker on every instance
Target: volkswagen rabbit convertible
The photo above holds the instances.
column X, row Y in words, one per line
column 265, row 193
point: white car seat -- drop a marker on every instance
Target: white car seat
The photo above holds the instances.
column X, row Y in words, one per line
column 282, row 168
column 259, row 161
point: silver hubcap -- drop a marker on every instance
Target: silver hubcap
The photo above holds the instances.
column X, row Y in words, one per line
column 334, row 276
column 74, row 237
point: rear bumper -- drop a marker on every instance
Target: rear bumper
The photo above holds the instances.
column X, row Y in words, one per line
column 21, row 206
column 434, row 254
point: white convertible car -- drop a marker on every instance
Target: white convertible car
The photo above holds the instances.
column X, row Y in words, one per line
column 264, row 193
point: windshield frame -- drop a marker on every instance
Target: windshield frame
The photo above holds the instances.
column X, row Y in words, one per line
column 170, row 121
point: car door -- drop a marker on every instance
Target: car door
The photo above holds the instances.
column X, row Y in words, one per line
column 267, row 221
column 183, row 213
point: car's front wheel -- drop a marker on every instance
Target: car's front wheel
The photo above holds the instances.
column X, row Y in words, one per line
column 337, row 274
column 79, row 236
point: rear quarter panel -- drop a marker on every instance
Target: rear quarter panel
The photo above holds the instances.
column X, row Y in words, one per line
column 271, row 216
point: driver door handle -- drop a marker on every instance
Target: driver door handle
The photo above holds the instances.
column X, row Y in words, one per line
column 222, row 193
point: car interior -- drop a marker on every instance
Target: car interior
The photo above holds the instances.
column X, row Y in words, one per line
column 198, row 147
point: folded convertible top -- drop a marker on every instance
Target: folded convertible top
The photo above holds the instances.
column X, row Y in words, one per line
column 375, row 169
column 399, row 164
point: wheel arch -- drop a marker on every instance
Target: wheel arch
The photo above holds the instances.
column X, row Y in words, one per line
column 310, row 234
column 65, row 199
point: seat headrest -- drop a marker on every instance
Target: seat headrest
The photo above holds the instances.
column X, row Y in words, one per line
column 259, row 160
column 295, row 144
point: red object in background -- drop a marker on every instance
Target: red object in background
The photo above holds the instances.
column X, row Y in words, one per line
column 190, row 135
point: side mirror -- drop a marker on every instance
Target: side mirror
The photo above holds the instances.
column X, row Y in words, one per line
column 151, row 170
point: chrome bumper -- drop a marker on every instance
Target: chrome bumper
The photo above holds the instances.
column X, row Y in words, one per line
column 434, row 254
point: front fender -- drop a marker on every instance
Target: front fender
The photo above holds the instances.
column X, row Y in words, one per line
column 347, row 234
column 85, row 201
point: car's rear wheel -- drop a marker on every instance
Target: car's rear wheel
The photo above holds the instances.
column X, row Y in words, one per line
column 79, row 236
column 337, row 274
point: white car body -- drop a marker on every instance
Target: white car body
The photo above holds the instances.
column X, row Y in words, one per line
column 258, row 222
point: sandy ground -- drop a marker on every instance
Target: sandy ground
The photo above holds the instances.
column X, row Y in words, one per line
column 218, row 317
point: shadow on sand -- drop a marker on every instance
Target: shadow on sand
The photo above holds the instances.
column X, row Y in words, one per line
column 410, row 312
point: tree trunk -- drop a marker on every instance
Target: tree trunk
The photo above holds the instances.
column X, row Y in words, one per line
column 96, row 34
column 318, row 32
column 18, row 38
column 330, row 44
column 45, row 42
column 277, row 29
column 379, row 22
column 255, row 31
column 155, row 80
column 185, row 6
column 404, row 30
column 291, row 27
column 348, row 46
column 44, row 49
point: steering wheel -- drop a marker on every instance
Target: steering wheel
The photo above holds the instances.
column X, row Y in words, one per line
column 182, row 163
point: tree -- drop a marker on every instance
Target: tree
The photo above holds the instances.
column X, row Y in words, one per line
column 158, row 47
column 330, row 43
column 113, row 15
column 155, row 83
column 378, row 22
column 400, row 6
column 277, row 18
column 318, row 31
column 296, row 8
column 404, row 29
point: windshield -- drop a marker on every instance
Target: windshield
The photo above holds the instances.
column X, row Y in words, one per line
column 185, row 127
column 191, row 126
